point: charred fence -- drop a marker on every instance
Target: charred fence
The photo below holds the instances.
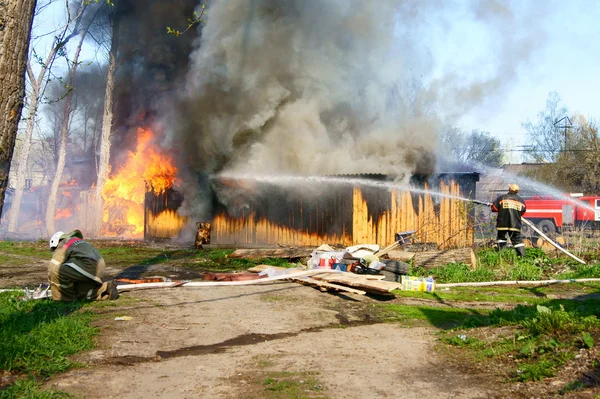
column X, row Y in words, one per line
column 255, row 213
column 161, row 219
column 345, row 214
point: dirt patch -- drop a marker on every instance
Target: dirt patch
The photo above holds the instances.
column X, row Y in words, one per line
column 229, row 342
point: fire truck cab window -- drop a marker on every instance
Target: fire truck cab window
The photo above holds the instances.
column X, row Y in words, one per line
column 598, row 203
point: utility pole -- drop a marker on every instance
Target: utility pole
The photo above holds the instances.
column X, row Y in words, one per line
column 566, row 125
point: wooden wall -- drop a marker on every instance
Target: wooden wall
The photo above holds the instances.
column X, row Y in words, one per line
column 161, row 219
column 347, row 215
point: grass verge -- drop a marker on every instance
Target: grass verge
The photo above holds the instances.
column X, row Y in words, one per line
column 532, row 342
column 505, row 265
column 36, row 340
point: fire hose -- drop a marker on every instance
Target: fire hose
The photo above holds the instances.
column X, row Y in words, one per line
column 544, row 236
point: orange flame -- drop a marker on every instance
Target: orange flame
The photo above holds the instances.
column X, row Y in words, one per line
column 63, row 214
column 71, row 182
column 144, row 170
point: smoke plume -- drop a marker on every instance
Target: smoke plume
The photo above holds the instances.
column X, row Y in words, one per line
column 303, row 88
column 328, row 87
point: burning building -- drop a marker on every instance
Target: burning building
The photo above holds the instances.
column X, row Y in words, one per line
column 343, row 210
column 319, row 88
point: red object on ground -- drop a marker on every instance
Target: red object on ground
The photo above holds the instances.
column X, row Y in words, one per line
column 230, row 276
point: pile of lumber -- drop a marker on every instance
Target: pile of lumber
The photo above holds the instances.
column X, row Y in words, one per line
column 329, row 280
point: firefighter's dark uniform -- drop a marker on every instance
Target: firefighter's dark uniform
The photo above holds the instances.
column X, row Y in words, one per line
column 76, row 270
column 510, row 208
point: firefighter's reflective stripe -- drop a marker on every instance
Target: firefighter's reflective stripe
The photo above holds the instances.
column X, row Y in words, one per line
column 54, row 262
column 80, row 270
column 532, row 211
column 518, row 245
column 501, row 241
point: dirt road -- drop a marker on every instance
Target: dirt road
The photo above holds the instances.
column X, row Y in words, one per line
column 261, row 341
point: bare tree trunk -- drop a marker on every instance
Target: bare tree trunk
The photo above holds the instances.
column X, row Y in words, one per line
column 36, row 93
column 23, row 155
column 64, row 132
column 16, row 17
column 107, row 119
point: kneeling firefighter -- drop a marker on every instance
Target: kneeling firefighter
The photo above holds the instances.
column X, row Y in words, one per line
column 510, row 208
column 76, row 270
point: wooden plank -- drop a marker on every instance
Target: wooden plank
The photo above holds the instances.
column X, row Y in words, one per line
column 403, row 256
column 387, row 249
column 324, row 286
column 356, row 281
column 284, row 253
column 373, row 276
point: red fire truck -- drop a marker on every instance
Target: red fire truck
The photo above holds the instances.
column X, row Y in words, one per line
column 551, row 214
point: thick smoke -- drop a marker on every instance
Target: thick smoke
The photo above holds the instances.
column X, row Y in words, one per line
column 329, row 87
column 302, row 87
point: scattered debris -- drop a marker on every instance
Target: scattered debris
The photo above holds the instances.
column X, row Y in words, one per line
column 260, row 268
column 123, row 318
column 157, row 279
column 236, row 276
column 359, row 282
column 38, row 293
column 324, row 286
column 410, row 283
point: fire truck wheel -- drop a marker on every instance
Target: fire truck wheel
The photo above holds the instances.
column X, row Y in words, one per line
column 547, row 227
column 527, row 231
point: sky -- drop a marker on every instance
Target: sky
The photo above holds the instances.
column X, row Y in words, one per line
column 565, row 59
column 560, row 52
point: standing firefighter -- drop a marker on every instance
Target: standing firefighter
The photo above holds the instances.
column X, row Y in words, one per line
column 76, row 270
column 510, row 208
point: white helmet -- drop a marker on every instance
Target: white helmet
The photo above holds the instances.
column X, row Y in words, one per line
column 55, row 239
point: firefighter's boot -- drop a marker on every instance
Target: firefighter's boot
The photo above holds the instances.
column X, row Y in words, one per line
column 501, row 244
column 520, row 248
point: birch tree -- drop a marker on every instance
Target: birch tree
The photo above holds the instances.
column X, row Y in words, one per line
column 64, row 132
column 545, row 136
column 16, row 17
column 38, row 84
column 103, row 167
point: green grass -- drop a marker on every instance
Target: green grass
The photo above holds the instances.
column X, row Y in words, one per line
column 123, row 257
column 505, row 265
column 214, row 260
column 478, row 294
column 218, row 260
column 24, row 248
column 37, row 338
column 441, row 317
column 581, row 271
column 284, row 385
column 546, row 336
column 29, row 388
